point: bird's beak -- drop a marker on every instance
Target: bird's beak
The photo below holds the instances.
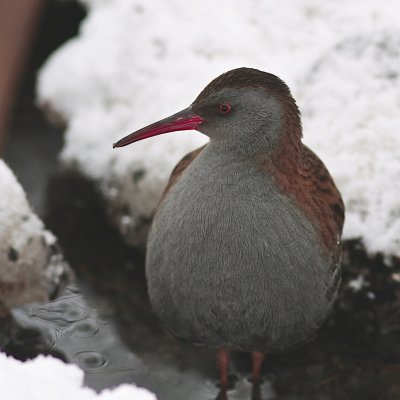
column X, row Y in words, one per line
column 181, row 121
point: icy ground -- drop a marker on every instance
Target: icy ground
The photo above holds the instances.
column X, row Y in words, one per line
column 49, row 378
column 137, row 61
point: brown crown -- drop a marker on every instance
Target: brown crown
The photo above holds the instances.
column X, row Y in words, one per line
column 246, row 77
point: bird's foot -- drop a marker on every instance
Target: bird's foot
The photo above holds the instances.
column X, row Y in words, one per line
column 222, row 394
column 257, row 361
column 256, row 390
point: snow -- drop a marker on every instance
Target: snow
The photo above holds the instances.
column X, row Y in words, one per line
column 357, row 284
column 138, row 61
column 31, row 266
column 363, row 124
column 49, row 378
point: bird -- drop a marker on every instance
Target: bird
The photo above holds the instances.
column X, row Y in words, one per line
column 244, row 250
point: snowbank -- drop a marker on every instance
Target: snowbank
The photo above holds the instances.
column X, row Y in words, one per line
column 31, row 267
column 138, row 61
column 50, row 378
column 352, row 103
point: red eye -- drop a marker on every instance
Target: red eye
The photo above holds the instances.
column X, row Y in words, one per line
column 224, row 108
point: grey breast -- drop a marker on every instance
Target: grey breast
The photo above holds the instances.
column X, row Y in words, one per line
column 231, row 261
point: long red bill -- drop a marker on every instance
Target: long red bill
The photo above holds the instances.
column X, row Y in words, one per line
column 181, row 121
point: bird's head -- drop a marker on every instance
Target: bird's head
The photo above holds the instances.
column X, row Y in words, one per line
column 243, row 108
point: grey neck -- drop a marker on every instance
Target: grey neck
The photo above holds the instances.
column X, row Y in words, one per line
column 248, row 146
column 224, row 166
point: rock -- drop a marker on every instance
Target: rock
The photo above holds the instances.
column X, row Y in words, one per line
column 32, row 268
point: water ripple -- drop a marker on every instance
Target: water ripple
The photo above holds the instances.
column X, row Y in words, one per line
column 91, row 360
column 83, row 329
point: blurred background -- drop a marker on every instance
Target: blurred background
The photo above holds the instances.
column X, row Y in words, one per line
column 29, row 32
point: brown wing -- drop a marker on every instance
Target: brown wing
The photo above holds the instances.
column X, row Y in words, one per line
column 313, row 188
column 324, row 193
column 328, row 210
column 179, row 168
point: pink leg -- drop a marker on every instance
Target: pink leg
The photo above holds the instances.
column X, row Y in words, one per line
column 258, row 359
column 223, row 361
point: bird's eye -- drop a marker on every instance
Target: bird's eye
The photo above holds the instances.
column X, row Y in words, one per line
column 224, row 108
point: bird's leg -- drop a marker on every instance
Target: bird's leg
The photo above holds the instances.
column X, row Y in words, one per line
column 4, row 311
column 257, row 360
column 223, row 361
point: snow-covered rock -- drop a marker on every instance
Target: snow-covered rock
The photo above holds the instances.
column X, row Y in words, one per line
column 31, row 266
column 49, row 378
column 135, row 62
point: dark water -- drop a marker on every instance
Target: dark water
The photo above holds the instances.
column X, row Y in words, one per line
column 104, row 323
column 72, row 327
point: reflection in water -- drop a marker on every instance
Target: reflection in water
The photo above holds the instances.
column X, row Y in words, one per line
column 107, row 327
